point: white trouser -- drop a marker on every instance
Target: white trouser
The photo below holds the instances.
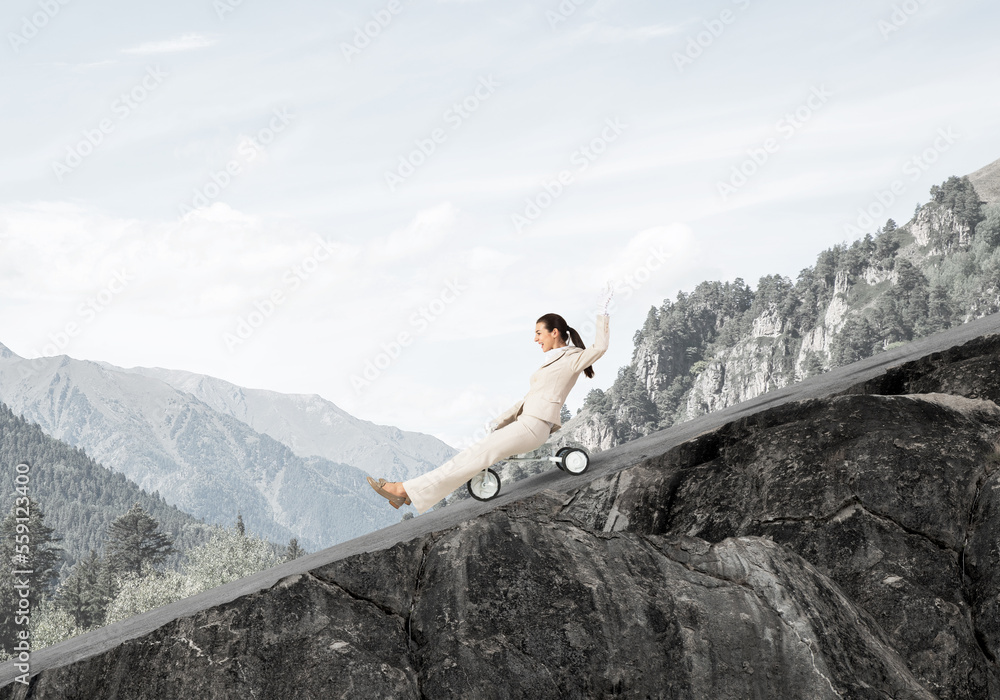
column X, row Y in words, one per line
column 523, row 435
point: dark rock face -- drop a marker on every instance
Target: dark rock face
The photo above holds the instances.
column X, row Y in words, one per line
column 551, row 610
column 888, row 496
column 971, row 370
column 844, row 547
column 307, row 637
column 522, row 603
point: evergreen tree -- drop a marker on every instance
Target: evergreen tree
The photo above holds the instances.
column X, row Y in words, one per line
column 940, row 311
column 84, row 593
column 81, row 497
column 240, row 528
column 959, row 195
column 857, row 340
column 564, row 415
column 597, row 401
column 886, row 244
column 294, row 551
column 988, row 230
column 28, row 558
column 637, row 413
column 812, row 364
column 134, row 539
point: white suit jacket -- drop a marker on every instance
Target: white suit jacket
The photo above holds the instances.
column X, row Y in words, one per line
column 552, row 382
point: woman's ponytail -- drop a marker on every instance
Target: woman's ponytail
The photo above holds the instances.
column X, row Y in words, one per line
column 557, row 322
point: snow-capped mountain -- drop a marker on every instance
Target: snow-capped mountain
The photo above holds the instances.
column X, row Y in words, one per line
column 203, row 459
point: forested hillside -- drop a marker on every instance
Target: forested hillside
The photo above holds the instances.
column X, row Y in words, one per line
column 725, row 342
column 99, row 548
column 79, row 497
column 204, row 461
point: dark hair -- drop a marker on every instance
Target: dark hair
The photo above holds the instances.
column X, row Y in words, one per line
column 558, row 323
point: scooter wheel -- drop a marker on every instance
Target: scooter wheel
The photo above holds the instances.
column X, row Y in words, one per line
column 574, row 460
column 485, row 485
column 559, row 453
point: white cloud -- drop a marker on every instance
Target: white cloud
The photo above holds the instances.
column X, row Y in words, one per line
column 54, row 250
column 647, row 265
column 186, row 42
column 609, row 35
column 428, row 231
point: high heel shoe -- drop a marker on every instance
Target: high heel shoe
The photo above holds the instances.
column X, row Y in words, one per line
column 394, row 501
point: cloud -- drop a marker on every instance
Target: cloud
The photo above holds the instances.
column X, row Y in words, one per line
column 217, row 261
column 597, row 31
column 428, row 230
column 610, row 35
column 186, row 42
column 648, row 264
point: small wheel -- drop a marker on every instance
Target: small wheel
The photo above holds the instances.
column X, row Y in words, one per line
column 484, row 485
column 559, row 453
column 574, row 460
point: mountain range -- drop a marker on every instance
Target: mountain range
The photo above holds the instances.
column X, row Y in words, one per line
column 294, row 466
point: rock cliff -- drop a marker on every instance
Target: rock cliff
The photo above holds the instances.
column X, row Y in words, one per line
column 841, row 546
column 723, row 344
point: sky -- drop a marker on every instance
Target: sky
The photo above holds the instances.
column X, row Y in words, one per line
column 374, row 201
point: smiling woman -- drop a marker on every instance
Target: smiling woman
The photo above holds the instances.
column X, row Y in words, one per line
column 526, row 425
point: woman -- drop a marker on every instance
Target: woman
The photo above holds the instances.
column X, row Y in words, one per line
column 523, row 427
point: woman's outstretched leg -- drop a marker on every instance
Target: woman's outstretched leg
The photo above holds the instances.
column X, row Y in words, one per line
column 523, row 435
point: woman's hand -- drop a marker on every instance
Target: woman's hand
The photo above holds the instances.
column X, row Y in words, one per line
column 605, row 299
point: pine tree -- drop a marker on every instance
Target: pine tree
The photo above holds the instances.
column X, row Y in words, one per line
column 81, row 498
column 812, row 364
column 27, row 544
column 240, row 528
column 564, row 415
column 84, row 594
column 134, row 539
column 294, row 551
column 959, row 195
